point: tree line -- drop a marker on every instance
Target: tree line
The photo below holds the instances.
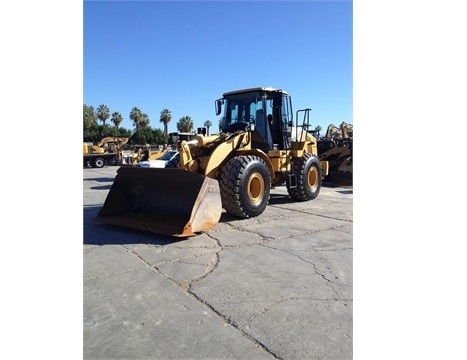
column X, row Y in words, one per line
column 96, row 125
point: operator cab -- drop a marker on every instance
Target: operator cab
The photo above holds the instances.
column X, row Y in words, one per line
column 266, row 112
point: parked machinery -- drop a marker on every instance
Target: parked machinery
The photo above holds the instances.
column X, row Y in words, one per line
column 106, row 151
column 336, row 148
column 257, row 148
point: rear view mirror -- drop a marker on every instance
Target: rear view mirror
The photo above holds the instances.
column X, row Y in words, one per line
column 219, row 106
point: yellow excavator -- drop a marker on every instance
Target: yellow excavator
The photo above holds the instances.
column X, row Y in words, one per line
column 106, row 151
column 259, row 146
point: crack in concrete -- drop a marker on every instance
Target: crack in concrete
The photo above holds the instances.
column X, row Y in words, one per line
column 286, row 299
column 186, row 285
column 187, row 289
column 308, row 213
column 183, row 259
column 264, row 239
column 235, row 326
column 332, row 250
column 329, row 282
column 283, row 300
column 108, row 275
column 209, row 269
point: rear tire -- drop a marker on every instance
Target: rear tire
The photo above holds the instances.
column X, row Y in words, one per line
column 245, row 185
column 307, row 170
column 98, row 163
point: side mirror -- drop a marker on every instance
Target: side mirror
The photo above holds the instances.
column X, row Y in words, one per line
column 219, row 106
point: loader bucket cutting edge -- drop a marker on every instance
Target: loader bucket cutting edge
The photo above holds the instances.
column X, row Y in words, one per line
column 173, row 202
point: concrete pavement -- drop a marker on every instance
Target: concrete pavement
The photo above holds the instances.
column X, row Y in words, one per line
column 278, row 286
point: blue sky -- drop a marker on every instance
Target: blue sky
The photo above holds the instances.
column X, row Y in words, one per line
column 182, row 55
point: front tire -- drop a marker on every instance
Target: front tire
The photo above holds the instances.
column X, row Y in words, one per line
column 245, row 185
column 307, row 171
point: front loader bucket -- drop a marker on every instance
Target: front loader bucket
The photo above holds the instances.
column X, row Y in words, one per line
column 169, row 201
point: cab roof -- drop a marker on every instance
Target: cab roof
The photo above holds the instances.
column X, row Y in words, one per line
column 267, row 89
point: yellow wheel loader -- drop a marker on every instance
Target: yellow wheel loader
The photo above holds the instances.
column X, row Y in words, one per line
column 259, row 145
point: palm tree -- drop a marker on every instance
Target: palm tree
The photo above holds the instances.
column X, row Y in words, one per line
column 117, row 119
column 207, row 125
column 185, row 124
column 165, row 118
column 144, row 121
column 136, row 116
column 103, row 113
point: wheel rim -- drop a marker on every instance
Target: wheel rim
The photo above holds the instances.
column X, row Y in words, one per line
column 313, row 178
column 255, row 187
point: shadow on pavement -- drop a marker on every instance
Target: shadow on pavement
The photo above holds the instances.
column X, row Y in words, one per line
column 276, row 199
column 101, row 179
column 98, row 233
